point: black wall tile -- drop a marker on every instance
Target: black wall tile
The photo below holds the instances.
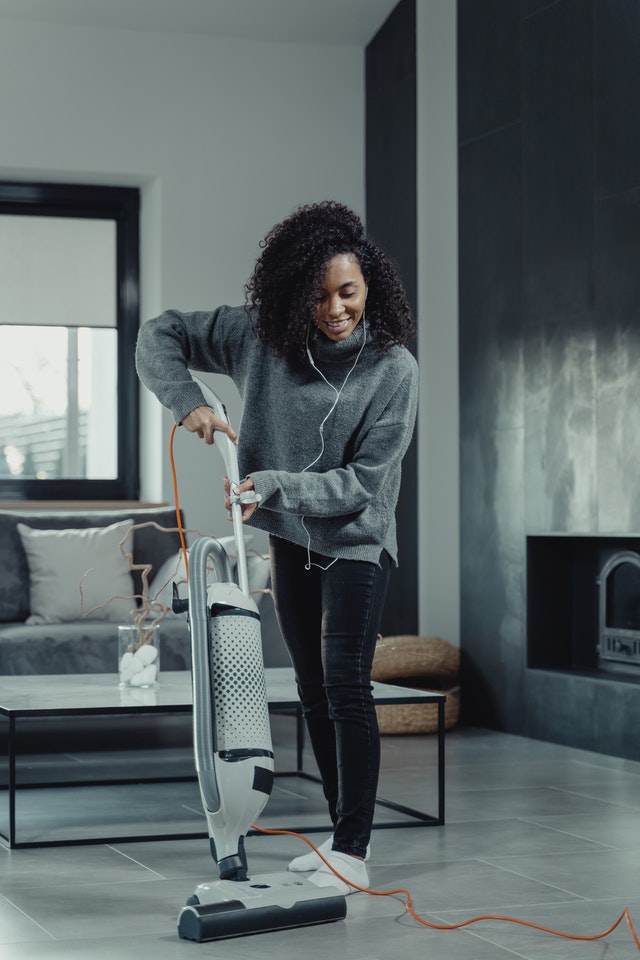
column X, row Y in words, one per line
column 617, row 75
column 489, row 48
column 392, row 220
column 490, row 230
column 391, row 55
column 558, row 146
column 532, row 7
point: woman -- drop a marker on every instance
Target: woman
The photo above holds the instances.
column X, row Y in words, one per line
column 329, row 396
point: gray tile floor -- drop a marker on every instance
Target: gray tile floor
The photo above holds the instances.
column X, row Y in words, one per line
column 534, row 830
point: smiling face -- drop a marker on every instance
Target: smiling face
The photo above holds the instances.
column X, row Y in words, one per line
column 342, row 297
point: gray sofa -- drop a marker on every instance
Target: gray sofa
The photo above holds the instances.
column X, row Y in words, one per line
column 88, row 645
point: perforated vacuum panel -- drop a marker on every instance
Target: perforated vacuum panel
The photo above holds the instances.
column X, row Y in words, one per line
column 237, row 671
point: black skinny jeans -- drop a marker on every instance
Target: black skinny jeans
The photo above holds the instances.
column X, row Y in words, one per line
column 330, row 620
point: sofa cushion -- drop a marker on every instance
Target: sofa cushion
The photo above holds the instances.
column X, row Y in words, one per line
column 150, row 545
column 82, row 648
column 73, row 573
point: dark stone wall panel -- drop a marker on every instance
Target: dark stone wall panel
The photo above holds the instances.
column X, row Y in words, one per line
column 391, row 176
column 561, row 491
column 492, row 578
column 489, row 85
column 558, row 161
column 391, row 137
column 490, row 231
column 390, row 55
column 491, row 420
column 391, row 199
column 617, row 75
column 585, row 712
column 531, row 7
column 549, row 337
column 618, row 308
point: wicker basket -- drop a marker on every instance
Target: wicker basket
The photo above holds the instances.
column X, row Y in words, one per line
column 397, row 718
column 412, row 656
column 423, row 663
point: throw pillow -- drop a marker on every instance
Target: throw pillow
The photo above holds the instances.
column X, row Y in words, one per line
column 58, row 560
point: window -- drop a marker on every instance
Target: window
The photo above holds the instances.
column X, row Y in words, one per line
column 69, row 280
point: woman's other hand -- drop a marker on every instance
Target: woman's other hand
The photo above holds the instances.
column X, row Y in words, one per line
column 204, row 422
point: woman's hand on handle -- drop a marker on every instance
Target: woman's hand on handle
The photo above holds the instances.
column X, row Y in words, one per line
column 204, row 422
column 239, row 488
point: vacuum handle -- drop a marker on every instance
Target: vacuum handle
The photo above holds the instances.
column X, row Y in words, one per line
column 229, row 453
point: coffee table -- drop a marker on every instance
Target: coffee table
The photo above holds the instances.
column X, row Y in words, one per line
column 99, row 696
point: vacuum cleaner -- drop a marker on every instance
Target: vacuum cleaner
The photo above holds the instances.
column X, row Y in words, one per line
column 232, row 743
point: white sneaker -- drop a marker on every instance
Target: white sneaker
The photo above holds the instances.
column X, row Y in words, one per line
column 311, row 860
column 352, row 869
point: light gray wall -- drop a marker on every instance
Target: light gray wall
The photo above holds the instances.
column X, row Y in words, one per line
column 224, row 137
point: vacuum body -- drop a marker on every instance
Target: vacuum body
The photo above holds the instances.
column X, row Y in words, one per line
column 233, row 749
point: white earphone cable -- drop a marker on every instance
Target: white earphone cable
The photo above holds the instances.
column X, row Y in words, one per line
column 338, row 393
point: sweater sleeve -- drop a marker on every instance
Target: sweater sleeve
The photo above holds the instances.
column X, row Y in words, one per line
column 346, row 490
column 175, row 342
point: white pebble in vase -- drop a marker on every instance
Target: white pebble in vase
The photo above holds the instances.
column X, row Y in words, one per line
column 138, row 655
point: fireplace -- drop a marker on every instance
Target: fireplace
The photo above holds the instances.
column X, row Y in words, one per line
column 582, row 676
column 619, row 612
column 583, row 604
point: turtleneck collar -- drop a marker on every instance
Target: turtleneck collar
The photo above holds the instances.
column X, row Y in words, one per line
column 325, row 350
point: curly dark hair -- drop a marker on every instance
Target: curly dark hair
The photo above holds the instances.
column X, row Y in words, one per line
column 283, row 289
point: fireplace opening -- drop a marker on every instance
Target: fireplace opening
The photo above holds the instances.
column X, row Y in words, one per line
column 583, row 604
column 619, row 607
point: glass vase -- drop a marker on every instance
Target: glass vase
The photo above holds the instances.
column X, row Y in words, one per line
column 138, row 654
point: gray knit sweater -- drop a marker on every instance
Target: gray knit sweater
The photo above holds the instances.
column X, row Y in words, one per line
column 342, row 506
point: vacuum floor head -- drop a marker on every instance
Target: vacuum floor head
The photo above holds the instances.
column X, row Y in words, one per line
column 225, row 908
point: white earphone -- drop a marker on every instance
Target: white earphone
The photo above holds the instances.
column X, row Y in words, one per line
column 337, row 391
column 338, row 394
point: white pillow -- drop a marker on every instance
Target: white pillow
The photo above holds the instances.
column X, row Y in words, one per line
column 58, row 560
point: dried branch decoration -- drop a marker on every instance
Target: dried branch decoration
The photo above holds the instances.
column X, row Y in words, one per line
column 149, row 610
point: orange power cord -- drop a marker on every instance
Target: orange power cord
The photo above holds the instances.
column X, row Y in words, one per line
column 408, row 902
column 176, row 500
column 625, row 915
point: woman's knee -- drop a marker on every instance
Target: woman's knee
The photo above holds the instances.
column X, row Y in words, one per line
column 350, row 700
column 313, row 697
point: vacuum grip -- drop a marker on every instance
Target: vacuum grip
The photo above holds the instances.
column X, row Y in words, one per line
column 230, row 456
column 226, row 446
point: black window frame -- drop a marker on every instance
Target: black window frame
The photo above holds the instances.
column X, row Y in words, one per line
column 121, row 204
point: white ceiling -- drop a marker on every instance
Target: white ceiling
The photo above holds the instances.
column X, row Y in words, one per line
column 335, row 22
